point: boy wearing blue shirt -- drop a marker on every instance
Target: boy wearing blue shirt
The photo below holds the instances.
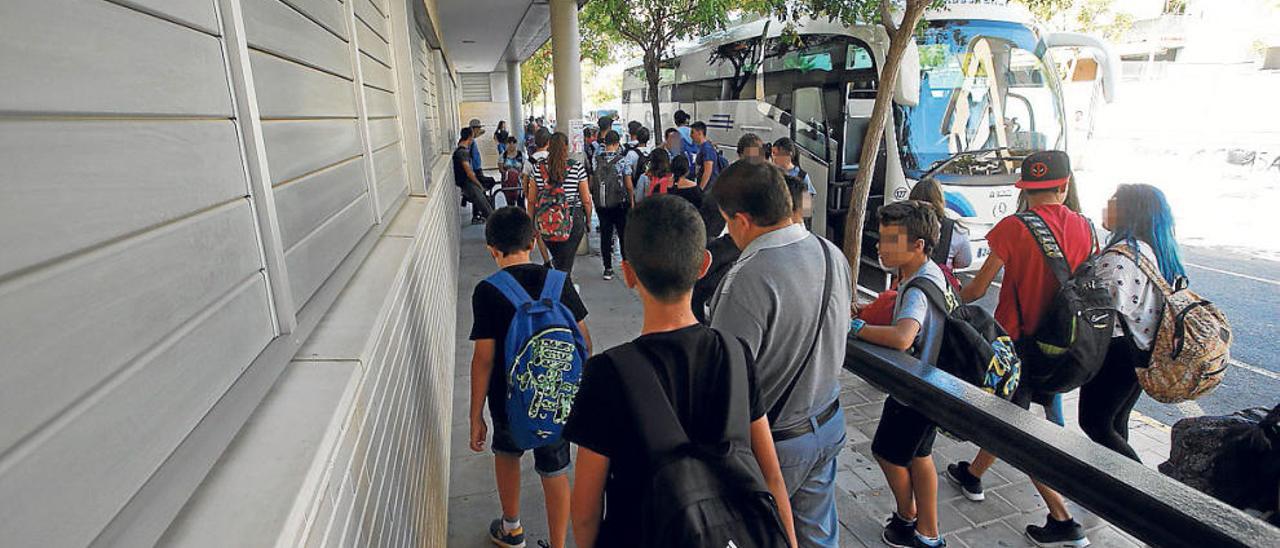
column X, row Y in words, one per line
column 903, row 444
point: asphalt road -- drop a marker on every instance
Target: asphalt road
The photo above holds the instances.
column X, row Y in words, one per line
column 1247, row 289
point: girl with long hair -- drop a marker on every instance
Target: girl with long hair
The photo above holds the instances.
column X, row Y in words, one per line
column 953, row 250
column 1138, row 217
column 559, row 171
column 657, row 178
column 685, row 187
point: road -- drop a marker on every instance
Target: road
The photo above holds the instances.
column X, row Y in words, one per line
column 1247, row 289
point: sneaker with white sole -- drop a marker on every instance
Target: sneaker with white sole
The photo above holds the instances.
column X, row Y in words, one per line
column 608, row 274
column 969, row 484
column 504, row 538
column 1058, row 534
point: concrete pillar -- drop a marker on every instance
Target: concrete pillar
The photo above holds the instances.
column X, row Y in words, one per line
column 513, row 97
column 566, row 66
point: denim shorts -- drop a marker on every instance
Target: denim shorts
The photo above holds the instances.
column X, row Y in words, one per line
column 549, row 461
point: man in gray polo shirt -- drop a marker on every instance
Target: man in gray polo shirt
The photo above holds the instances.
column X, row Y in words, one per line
column 773, row 299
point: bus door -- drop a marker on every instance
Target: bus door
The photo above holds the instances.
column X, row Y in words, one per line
column 812, row 135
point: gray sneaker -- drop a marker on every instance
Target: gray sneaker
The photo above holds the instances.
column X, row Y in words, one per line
column 504, row 538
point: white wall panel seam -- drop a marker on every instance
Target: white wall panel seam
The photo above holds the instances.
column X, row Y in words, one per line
column 257, row 171
column 402, row 49
column 371, row 180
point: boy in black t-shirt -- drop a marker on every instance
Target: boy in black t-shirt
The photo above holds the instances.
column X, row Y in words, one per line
column 692, row 363
column 509, row 237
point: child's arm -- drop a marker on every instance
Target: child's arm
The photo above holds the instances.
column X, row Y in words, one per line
column 977, row 287
column 898, row 336
column 587, row 504
column 586, row 334
column 767, row 458
column 481, row 368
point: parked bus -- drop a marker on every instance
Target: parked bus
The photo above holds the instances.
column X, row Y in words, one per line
column 978, row 91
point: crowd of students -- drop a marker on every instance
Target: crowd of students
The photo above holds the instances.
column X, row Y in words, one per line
column 739, row 353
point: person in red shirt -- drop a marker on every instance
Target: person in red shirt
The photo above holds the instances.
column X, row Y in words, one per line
column 1025, row 292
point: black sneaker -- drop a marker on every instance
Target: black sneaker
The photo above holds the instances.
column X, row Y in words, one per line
column 608, row 274
column 899, row 532
column 504, row 538
column 1058, row 534
column 968, row 483
column 477, row 220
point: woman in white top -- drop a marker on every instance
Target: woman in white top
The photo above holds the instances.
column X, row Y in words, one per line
column 954, row 251
column 1138, row 217
column 558, row 169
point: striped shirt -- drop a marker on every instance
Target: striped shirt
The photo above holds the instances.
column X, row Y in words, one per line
column 575, row 174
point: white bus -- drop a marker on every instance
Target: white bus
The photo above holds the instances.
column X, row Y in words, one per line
column 820, row 92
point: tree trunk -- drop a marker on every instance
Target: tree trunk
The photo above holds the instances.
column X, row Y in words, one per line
column 651, row 76
column 880, row 112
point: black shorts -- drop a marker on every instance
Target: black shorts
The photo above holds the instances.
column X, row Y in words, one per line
column 903, row 434
column 549, row 461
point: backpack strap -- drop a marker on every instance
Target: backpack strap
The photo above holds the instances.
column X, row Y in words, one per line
column 659, row 427
column 510, row 288
column 943, row 249
column 817, row 333
column 1049, row 247
column 553, row 286
column 1144, row 265
column 944, row 301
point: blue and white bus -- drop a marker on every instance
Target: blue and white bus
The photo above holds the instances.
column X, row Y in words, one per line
column 977, row 92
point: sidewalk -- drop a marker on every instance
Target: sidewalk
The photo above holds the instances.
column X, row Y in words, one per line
column 864, row 501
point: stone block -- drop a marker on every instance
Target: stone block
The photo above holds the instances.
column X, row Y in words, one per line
column 993, row 535
column 992, row 509
column 1022, row 495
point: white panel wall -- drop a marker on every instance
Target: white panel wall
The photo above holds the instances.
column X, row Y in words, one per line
column 376, row 64
column 137, row 228
column 132, row 283
column 387, row 484
column 305, row 85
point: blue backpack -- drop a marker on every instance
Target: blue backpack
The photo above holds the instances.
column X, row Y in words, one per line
column 544, row 353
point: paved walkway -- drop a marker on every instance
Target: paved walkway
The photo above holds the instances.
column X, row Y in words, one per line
column 864, row 501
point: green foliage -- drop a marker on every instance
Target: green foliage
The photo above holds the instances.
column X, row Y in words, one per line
column 1045, row 10
column 1098, row 16
column 534, row 74
column 653, row 26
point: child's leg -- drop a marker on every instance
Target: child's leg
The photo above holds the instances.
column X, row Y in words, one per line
column 556, row 491
column 1057, row 505
column 552, row 463
column 506, row 468
column 924, row 485
column 981, row 462
column 899, row 479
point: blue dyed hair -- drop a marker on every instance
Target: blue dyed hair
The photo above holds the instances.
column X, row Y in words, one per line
column 1142, row 213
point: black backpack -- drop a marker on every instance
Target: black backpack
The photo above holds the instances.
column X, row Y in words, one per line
column 699, row 494
column 642, row 163
column 608, row 188
column 1071, row 340
column 974, row 347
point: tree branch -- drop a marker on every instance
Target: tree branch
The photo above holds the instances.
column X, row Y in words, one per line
column 886, row 17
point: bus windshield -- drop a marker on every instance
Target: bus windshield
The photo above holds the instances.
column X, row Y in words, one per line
column 983, row 85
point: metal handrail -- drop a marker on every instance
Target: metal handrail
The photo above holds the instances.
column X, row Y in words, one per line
column 1157, row 509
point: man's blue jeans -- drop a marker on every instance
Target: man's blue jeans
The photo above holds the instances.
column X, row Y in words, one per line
column 809, row 470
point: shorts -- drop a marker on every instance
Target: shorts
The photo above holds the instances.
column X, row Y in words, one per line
column 903, row 434
column 549, row 461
